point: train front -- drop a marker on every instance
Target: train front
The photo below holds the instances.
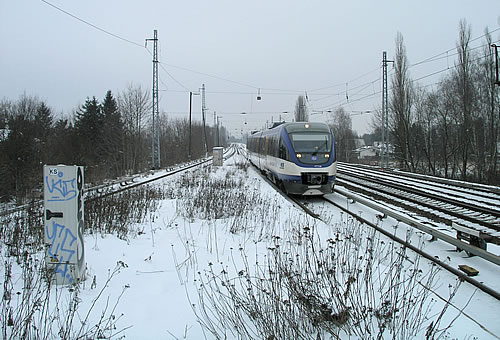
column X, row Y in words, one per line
column 312, row 150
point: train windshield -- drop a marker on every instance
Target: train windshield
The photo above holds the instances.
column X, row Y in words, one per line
column 311, row 142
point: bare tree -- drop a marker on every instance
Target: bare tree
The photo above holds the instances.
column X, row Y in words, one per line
column 401, row 104
column 21, row 144
column 342, row 130
column 301, row 112
column 134, row 104
column 423, row 132
column 489, row 100
column 465, row 93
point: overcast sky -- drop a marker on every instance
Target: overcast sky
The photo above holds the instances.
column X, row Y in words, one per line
column 280, row 48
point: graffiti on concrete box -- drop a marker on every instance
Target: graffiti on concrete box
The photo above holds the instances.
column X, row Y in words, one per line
column 61, row 250
column 64, row 222
column 60, row 189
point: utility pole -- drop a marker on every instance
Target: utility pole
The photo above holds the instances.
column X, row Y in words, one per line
column 497, row 80
column 190, row 109
column 155, row 139
column 215, row 127
column 219, row 125
column 384, row 155
column 203, row 108
column 191, row 94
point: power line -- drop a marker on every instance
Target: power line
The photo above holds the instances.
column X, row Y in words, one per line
column 431, row 59
column 344, row 102
column 92, row 25
column 115, row 36
column 281, row 91
column 162, row 65
column 441, row 55
column 170, row 75
column 342, row 84
column 234, row 81
column 211, row 76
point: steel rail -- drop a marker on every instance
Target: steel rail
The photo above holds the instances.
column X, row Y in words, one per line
column 474, row 250
column 228, row 154
column 414, row 223
column 482, row 188
column 461, row 275
column 421, row 191
column 469, row 218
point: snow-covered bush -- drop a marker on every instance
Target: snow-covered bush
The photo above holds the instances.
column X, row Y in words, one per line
column 32, row 307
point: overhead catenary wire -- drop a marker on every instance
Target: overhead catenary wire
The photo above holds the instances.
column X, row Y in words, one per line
column 275, row 91
column 433, row 58
column 170, row 75
column 344, row 102
column 343, row 84
column 92, row 25
column 436, row 57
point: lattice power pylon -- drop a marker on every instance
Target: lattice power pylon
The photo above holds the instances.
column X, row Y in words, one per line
column 155, row 133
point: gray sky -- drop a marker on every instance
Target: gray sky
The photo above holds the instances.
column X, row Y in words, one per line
column 285, row 48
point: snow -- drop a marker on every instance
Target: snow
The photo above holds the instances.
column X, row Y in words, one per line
column 160, row 268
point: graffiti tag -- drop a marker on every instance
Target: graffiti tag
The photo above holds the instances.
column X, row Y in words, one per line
column 60, row 189
column 61, row 241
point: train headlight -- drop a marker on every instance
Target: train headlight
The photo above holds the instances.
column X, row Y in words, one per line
column 299, row 155
column 306, row 126
column 327, row 155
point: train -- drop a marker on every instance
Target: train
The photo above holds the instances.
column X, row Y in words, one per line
column 299, row 157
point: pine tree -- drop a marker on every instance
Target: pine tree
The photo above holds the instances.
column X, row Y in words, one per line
column 113, row 131
column 89, row 130
column 43, row 129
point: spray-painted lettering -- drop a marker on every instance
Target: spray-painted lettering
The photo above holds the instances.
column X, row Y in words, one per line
column 61, row 241
column 59, row 189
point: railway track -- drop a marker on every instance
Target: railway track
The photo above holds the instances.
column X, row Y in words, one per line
column 479, row 195
column 463, row 276
column 431, row 257
column 456, row 185
column 434, row 232
column 469, row 214
column 127, row 183
column 489, row 201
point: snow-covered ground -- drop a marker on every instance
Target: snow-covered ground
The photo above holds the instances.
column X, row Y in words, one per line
column 166, row 279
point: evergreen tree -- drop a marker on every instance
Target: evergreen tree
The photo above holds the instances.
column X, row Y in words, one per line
column 113, row 131
column 89, row 131
column 43, row 128
column 63, row 144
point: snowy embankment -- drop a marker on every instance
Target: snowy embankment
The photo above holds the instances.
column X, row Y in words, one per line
column 224, row 255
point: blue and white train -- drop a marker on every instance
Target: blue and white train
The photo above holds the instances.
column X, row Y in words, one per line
column 298, row 157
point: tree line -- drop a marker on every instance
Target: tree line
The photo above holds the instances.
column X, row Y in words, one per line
column 450, row 130
column 111, row 138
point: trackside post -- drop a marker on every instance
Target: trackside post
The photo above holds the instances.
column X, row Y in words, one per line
column 218, row 156
column 64, row 222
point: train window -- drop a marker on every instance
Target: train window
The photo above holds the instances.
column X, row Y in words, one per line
column 274, row 146
column 251, row 144
column 314, row 148
column 317, row 142
column 282, row 150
